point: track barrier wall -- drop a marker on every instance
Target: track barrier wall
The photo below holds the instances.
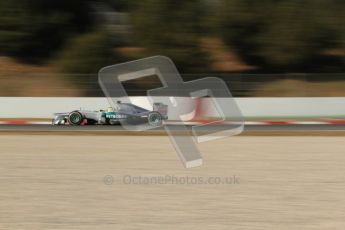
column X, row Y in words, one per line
column 44, row 107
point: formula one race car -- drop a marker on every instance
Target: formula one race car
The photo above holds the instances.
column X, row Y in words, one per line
column 123, row 111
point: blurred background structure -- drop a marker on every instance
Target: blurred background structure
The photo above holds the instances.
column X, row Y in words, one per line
column 260, row 48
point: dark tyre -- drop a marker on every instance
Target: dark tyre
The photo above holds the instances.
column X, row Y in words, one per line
column 155, row 119
column 113, row 122
column 75, row 118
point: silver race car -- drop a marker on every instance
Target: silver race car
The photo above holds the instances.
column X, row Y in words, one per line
column 123, row 111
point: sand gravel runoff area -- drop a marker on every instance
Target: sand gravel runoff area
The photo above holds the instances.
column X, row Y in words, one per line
column 138, row 182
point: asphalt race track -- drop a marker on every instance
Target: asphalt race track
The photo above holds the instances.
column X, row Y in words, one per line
column 119, row 129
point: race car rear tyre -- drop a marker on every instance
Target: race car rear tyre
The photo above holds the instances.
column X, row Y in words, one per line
column 155, row 119
column 75, row 118
column 113, row 122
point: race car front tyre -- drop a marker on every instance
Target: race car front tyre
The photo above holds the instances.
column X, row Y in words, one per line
column 75, row 118
column 155, row 119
